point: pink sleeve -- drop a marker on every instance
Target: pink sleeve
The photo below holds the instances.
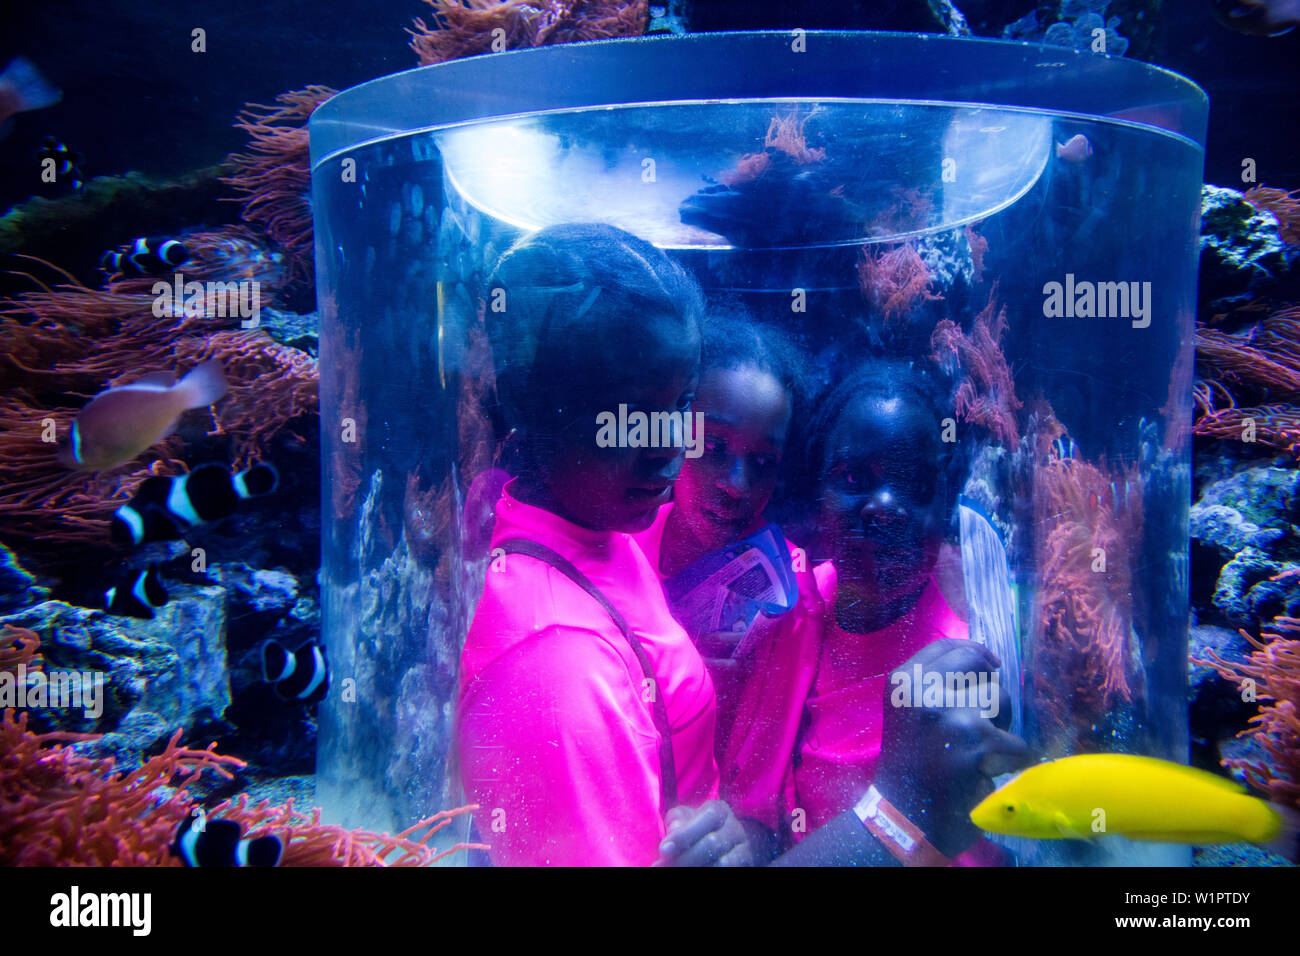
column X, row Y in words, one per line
column 562, row 755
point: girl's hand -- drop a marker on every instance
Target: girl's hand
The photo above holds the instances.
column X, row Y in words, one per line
column 936, row 763
column 710, row 835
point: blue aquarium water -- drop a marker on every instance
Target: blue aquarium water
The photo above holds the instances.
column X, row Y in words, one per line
column 1059, row 188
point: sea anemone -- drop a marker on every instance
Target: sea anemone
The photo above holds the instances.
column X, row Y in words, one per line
column 59, row 807
column 59, row 346
column 464, row 28
column 1083, row 650
column 274, row 176
column 1274, row 670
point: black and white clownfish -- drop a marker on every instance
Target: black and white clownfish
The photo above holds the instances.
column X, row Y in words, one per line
column 149, row 255
column 164, row 508
column 302, row 675
column 219, row 843
column 120, row 423
column 140, row 598
column 67, row 161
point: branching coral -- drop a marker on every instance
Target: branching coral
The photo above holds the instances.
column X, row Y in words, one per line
column 274, row 176
column 19, row 647
column 308, row 842
column 786, row 133
column 906, row 211
column 1090, row 523
column 1274, row 668
column 987, row 393
column 466, row 27
column 895, row 282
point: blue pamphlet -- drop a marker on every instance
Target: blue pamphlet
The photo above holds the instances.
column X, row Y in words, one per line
column 732, row 590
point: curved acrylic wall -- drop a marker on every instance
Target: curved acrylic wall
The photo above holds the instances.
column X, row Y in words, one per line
column 421, row 179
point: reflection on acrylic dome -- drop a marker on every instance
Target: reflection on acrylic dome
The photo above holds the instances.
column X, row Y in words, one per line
column 817, row 173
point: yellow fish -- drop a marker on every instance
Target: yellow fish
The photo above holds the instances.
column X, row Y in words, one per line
column 1141, row 798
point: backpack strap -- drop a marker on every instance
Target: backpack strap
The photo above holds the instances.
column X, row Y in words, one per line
column 667, row 769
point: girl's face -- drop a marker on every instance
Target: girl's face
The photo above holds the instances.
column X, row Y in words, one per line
column 621, row 488
column 882, row 511
column 721, row 494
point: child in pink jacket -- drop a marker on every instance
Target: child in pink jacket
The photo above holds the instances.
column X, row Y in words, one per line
column 749, row 378
column 576, row 735
column 886, row 498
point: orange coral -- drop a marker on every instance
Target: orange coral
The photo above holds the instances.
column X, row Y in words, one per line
column 1260, row 365
column 896, row 281
column 308, row 842
column 60, row 346
column 19, row 648
column 786, row 133
column 464, row 28
column 908, row 211
column 60, row 808
column 1285, row 206
column 1274, row 667
column 1263, row 360
column 1277, row 426
column 274, row 176
column 1082, row 649
column 987, row 393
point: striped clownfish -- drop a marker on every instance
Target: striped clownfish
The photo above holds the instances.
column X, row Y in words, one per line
column 221, row 843
column 164, row 508
column 119, row 423
column 301, row 676
column 146, row 256
column 144, row 595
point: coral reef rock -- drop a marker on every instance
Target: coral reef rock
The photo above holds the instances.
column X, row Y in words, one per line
column 1071, row 25
column 18, row 587
column 1242, row 252
column 1243, row 532
column 158, row 675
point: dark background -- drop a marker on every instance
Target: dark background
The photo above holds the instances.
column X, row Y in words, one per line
column 136, row 98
